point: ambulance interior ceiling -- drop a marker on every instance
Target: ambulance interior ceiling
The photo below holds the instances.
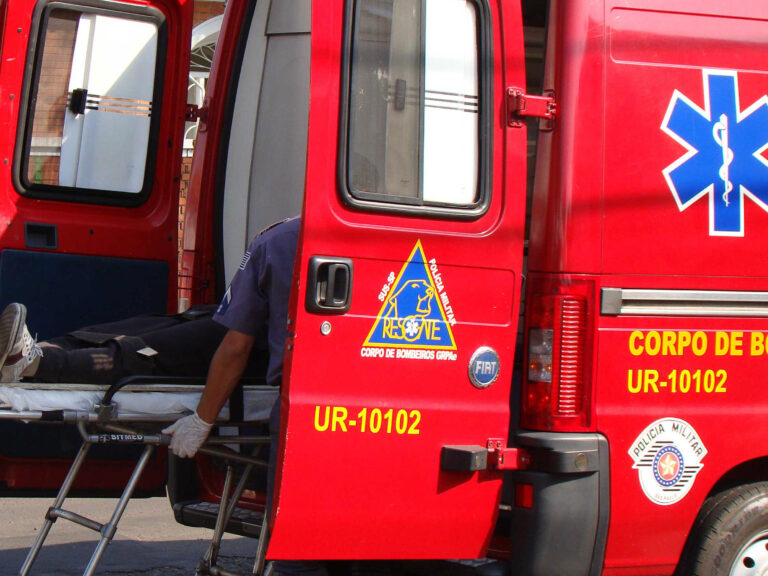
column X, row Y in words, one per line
column 266, row 161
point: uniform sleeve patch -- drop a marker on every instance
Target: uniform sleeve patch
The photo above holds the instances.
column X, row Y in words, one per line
column 244, row 261
column 224, row 304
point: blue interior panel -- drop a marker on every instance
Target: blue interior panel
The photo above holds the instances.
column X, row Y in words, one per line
column 64, row 292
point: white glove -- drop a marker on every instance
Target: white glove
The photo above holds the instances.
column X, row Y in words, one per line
column 188, row 433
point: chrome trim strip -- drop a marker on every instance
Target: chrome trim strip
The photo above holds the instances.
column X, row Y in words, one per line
column 634, row 302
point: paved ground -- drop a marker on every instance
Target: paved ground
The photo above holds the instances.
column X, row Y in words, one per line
column 148, row 542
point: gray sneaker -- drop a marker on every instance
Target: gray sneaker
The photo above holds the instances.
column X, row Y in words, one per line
column 12, row 322
column 18, row 349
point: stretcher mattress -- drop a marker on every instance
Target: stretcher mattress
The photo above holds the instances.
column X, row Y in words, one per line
column 154, row 401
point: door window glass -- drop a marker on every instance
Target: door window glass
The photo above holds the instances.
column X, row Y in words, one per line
column 415, row 106
column 90, row 106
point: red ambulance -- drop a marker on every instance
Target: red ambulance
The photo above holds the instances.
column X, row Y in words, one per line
column 602, row 417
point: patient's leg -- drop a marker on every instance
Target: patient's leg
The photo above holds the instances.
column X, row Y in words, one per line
column 181, row 349
column 102, row 365
column 142, row 345
column 58, row 361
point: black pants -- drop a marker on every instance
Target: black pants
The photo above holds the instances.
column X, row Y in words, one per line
column 105, row 353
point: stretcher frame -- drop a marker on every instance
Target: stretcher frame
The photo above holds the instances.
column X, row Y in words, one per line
column 106, row 424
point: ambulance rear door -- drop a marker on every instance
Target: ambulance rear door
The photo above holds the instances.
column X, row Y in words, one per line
column 408, row 276
column 92, row 110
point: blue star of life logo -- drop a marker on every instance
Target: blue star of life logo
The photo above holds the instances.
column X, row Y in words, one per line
column 724, row 146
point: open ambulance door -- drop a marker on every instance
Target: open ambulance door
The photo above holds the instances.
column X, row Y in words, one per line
column 93, row 101
column 408, row 279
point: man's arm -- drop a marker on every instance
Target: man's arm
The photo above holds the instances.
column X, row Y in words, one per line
column 227, row 367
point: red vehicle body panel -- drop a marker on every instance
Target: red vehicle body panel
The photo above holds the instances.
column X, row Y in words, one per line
column 616, row 206
column 604, row 214
column 352, row 476
column 148, row 231
column 88, row 231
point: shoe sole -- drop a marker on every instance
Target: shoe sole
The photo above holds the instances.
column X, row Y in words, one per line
column 12, row 322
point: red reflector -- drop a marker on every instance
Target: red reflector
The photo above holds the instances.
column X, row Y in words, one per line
column 571, row 384
column 524, row 495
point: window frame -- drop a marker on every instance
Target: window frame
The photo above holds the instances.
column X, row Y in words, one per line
column 31, row 84
column 386, row 203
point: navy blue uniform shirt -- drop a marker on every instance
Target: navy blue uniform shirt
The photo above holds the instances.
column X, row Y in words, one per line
column 256, row 302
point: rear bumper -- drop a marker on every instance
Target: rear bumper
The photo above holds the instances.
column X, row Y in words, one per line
column 564, row 531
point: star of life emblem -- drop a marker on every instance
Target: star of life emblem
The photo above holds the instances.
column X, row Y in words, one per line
column 724, row 144
column 667, row 456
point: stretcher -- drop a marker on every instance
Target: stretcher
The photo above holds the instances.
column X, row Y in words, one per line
column 134, row 411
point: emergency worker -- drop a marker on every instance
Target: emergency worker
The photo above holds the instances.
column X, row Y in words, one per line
column 255, row 311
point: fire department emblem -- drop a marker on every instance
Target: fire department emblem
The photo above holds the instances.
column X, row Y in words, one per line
column 414, row 312
column 724, row 161
column 667, row 456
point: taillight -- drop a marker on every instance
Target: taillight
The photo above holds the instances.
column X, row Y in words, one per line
column 555, row 396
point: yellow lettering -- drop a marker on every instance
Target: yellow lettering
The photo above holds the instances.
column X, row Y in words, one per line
column 652, row 343
column 324, row 426
column 431, row 329
column 683, row 341
column 737, row 341
column 668, row 343
column 386, row 328
column 721, row 343
column 650, row 380
column 339, row 417
column 699, row 343
column 729, row 343
column 757, row 344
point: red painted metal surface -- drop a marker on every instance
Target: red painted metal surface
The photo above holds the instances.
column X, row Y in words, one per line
column 197, row 277
column 146, row 232
column 604, row 211
column 96, row 476
column 603, row 216
column 712, row 385
column 356, row 494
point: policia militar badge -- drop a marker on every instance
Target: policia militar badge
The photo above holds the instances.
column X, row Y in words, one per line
column 667, row 456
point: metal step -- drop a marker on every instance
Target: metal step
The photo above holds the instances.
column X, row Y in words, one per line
column 203, row 515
